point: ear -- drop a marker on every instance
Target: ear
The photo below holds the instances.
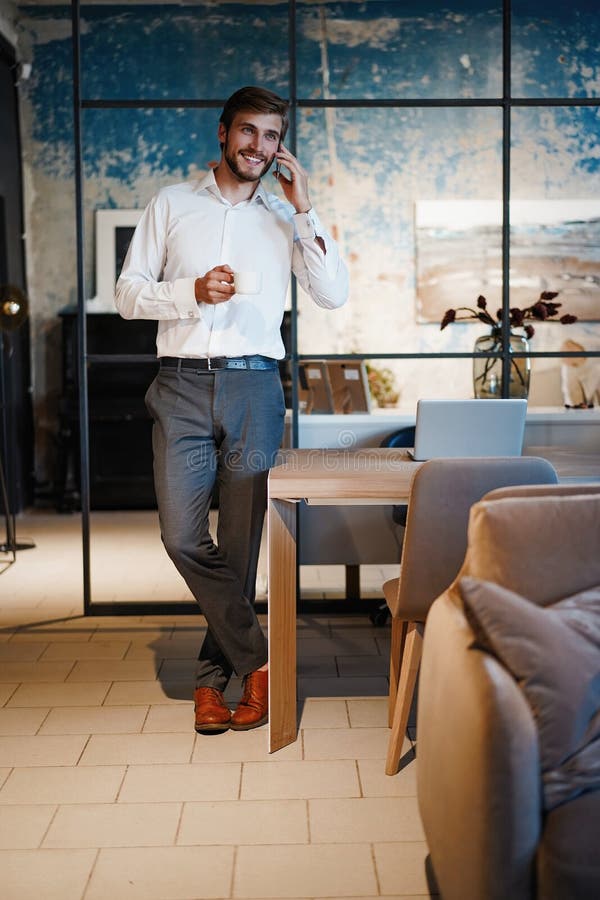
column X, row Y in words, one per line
column 222, row 133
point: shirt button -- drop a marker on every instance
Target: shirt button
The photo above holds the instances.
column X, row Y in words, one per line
column 190, row 315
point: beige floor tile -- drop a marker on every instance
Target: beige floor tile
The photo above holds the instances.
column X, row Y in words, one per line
column 113, row 670
column 361, row 629
column 323, row 713
column 6, row 692
column 59, row 694
column 241, row 746
column 401, row 867
column 160, row 783
column 41, row 750
column 162, row 873
column 176, row 718
column 42, row 672
column 21, row 721
column 137, row 749
column 346, row 743
column 22, row 652
column 103, row 623
column 4, row 773
column 317, row 667
column 136, row 693
column 168, row 648
column 23, row 827
column 347, row 821
column 189, row 632
column 384, row 642
column 299, row 779
column 360, row 686
column 308, row 626
column 49, row 634
column 244, row 822
column 63, row 784
column 307, row 870
column 178, row 669
column 350, row 666
column 114, row 825
column 349, row 621
column 94, row 720
column 85, row 650
column 342, row 645
column 51, row 874
column 375, row 783
column 139, row 634
column 371, row 713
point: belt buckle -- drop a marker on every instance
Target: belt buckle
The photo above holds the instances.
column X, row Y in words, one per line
column 208, row 362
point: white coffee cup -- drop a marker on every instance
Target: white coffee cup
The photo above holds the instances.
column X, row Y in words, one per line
column 247, row 282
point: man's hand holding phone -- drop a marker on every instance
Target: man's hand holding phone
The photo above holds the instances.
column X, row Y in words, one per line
column 294, row 187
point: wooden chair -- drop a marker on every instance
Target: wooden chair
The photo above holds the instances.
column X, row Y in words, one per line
column 435, row 541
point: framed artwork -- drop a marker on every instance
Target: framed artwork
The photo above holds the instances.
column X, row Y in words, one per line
column 554, row 246
column 114, row 230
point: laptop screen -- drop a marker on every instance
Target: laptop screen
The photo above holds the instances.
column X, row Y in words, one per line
column 462, row 428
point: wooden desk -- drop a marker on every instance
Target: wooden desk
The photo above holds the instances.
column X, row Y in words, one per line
column 382, row 476
column 372, row 475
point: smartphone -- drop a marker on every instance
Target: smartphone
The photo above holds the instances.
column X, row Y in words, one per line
column 277, row 163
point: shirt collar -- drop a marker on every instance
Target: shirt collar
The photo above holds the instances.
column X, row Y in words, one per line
column 207, row 182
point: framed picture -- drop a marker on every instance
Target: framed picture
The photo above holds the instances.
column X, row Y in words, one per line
column 114, row 230
column 314, row 389
column 554, row 246
column 349, row 386
column 333, row 386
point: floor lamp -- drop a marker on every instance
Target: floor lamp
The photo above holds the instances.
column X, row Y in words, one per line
column 14, row 309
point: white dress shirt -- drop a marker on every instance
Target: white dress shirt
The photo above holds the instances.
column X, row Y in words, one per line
column 190, row 228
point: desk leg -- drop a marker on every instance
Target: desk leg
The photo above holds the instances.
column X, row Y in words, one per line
column 281, row 524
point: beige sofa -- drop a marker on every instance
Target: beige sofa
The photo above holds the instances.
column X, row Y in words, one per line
column 505, row 816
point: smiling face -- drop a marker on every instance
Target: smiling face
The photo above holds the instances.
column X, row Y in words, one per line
column 250, row 143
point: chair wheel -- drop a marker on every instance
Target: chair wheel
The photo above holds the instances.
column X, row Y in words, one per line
column 379, row 617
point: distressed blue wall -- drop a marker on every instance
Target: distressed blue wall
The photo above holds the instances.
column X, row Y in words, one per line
column 368, row 167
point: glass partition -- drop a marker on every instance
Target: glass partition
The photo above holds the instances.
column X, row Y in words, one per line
column 413, row 197
column 163, row 51
column 555, row 242
column 380, row 50
column 413, row 194
column 555, row 48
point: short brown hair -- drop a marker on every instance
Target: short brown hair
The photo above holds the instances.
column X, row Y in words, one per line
column 258, row 100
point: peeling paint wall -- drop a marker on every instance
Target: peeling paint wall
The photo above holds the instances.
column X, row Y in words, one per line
column 368, row 167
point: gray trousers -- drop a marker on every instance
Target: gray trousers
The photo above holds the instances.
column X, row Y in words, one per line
column 225, row 425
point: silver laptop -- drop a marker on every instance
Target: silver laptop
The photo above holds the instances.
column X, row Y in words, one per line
column 452, row 428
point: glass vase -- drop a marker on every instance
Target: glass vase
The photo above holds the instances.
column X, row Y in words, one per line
column 487, row 372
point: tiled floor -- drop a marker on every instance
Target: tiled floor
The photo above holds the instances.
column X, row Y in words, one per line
column 106, row 792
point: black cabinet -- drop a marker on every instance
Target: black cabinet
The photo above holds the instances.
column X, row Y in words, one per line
column 120, row 429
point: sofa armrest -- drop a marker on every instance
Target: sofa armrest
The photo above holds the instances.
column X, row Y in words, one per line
column 478, row 781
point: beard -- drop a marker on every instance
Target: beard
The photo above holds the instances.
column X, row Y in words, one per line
column 253, row 175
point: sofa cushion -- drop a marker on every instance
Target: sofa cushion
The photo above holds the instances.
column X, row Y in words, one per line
column 554, row 654
column 568, row 861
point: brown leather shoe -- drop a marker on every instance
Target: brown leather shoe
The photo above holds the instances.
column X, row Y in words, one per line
column 253, row 708
column 211, row 712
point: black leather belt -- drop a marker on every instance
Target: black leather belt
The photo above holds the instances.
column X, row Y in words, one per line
column 219, row 362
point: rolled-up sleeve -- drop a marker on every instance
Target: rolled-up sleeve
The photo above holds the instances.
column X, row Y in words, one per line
column 323, row 276
column 140, row 292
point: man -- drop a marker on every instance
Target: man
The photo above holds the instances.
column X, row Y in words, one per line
column 217, row 401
